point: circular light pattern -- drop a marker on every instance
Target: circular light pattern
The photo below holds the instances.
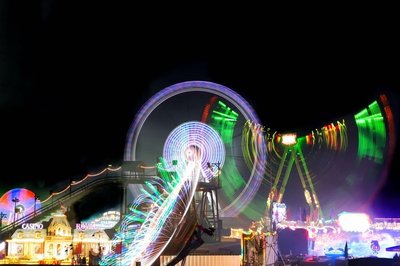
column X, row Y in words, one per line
column 194, row 142
column 17, row 203
column 257, row 173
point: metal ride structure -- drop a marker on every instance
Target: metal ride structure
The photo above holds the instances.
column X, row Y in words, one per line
column 286, row 150
column 184, row 89
column 209, row 168
column 30, row 208
column 334, row 160
column 293, row 154
column 132, row 148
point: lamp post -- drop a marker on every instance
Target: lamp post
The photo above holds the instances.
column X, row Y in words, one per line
column 34, row 206
column 2, row 215
column 15, row 200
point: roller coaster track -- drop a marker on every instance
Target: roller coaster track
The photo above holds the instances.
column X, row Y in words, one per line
column 78, row 190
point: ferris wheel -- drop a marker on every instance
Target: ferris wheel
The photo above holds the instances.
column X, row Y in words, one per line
column 226, row 112
column 191, row 126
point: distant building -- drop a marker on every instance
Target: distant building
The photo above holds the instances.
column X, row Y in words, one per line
column 56, row 244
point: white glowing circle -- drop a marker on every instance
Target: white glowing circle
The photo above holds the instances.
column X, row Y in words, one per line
column 194, row 142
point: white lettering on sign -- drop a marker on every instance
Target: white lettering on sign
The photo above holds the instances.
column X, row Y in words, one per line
column 32, row 226
column 85, row 226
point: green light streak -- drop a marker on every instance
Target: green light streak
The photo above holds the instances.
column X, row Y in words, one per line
column 225, row 115
column 222, row 104
column 371, row 133
column 224, row 121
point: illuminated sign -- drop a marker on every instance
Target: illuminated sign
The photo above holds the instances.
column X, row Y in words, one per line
column 32, row 226
column 86, row 226
column 106, row 221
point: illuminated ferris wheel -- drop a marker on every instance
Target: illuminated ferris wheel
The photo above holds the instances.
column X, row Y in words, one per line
column 184, row 130
column 228, row 114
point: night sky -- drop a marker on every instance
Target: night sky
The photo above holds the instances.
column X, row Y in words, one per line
column 74, row 74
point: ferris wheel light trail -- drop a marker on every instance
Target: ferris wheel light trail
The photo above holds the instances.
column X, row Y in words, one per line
column 194, row 140
column 256, row 173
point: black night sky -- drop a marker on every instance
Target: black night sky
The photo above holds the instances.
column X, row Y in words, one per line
column 73, row 75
